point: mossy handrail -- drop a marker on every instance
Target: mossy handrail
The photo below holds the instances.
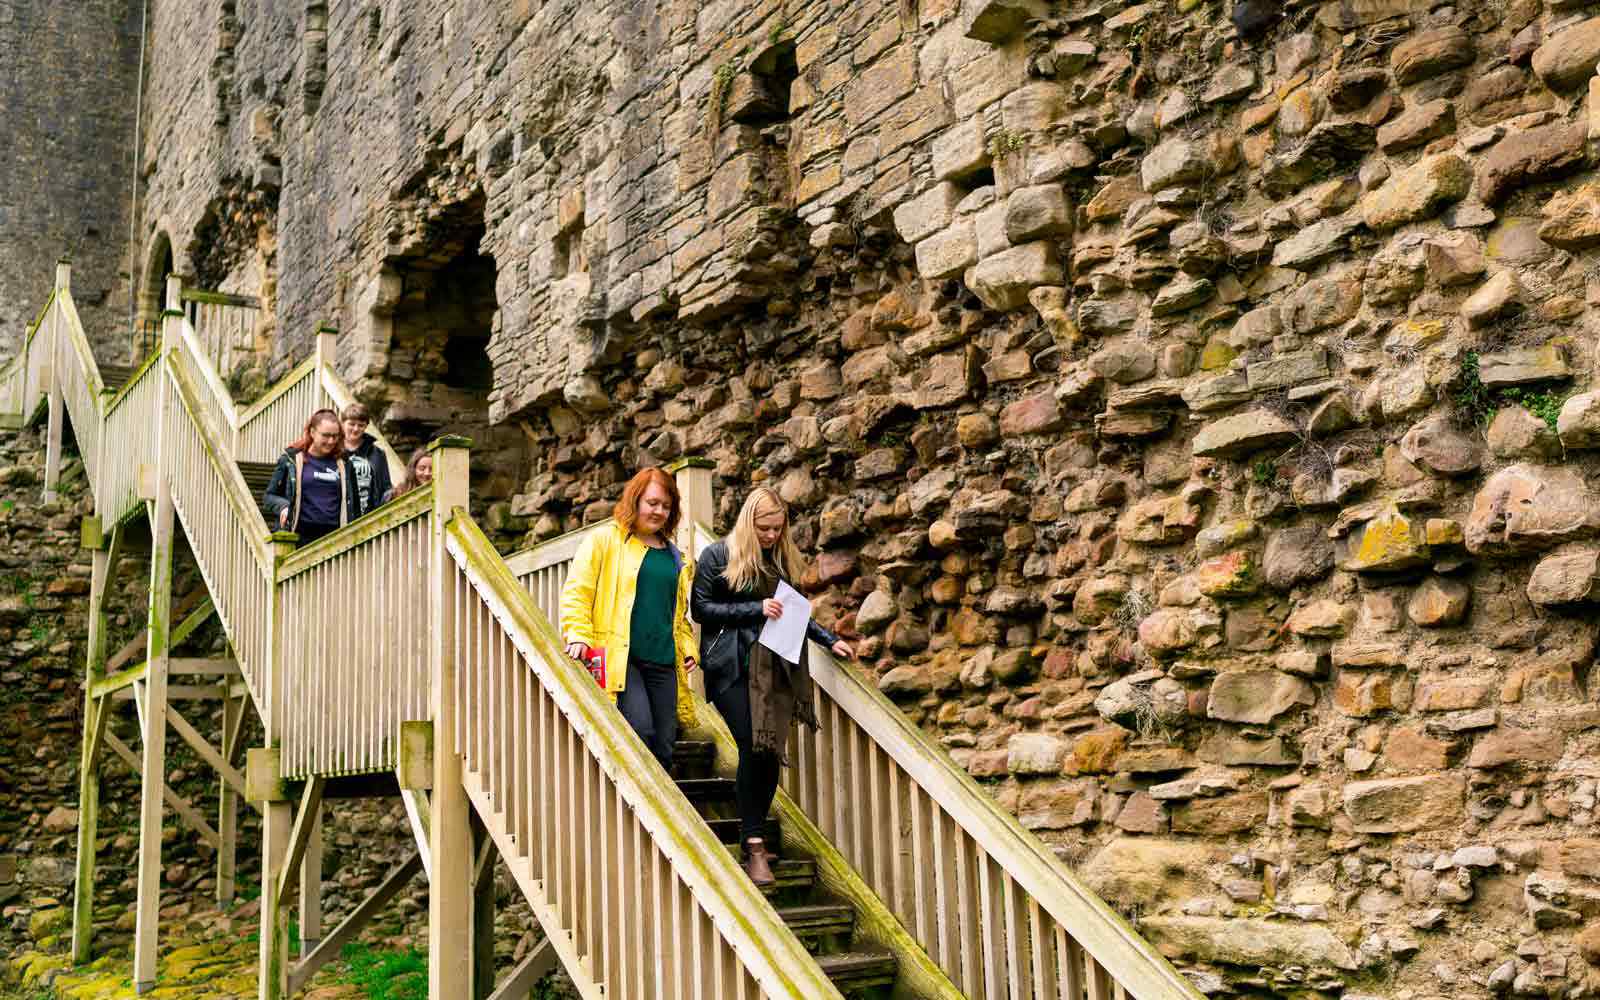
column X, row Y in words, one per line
column 744, row 919
column 1077, row 916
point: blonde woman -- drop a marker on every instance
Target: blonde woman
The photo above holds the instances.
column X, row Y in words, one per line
column 758, row 694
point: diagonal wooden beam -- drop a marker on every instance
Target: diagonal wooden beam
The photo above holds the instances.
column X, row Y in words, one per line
column 203, row 609
column 540, row 962
column 417, row 811
column 203, row 747
column 304, row 824
column 180, row 805
column 352, row 925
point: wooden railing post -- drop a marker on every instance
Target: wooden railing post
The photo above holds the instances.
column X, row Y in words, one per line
column 52, row 344
column 103, row 561
column 450, row 832
column 693, row 476
column 157, row 650
column 327, row 346
column 277, row 814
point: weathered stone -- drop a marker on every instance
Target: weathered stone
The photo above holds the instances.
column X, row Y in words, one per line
column 1149, row 871
column 997, row 21
column 960, row 151
column 1417, row 127
column 1490, row 302
column 1256, row 696
column 1438, row 446
column 1517, row 434
column 1184, row 291
column 1243, row 433
column 929, row 212
column 876, row 612
column 1003, row 281
column 1174, row 162
column 1362, row 695
column 1519, row 747
column 1296, row 555
column 948, row 253
column 1579, row 421
column 1389, row 542
column 1569, row 56
column 1103, row 317
column 1322, row 619
column 1439, row 602
column 1322, row 303
column 1035, row 753
column 1036, row 213
column 1404, row 805
column 1230, row 575
column 1222, row 816
column 1528, row 508
column 1530, row 156
column 1572, row 218
column 1566, row 576
column 1124, row 361
column 1418, row 192
column 1315, row 243
column 1521, row 366
column 1352, row 89
column 1430, row 53
column 1326, row 148
column 1246, row 942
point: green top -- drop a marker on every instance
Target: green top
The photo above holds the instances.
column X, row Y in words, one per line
column 654, row 601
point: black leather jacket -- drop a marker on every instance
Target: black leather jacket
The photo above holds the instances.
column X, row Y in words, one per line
column 730, row 622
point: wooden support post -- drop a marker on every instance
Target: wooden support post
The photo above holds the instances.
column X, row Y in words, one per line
column 482, row 911
column 94, row 716
column 450, row 834
column 351, row 925
column 52, row 450
column 154, row 765
column 311, row 888
column 233, row 710
column 693, row 477
column 277, row 814
column 327, row 346
column 305, row 823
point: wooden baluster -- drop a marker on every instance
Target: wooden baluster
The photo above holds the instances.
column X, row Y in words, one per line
column 967, row 914
column 1070, row 954
column 1100, row 984
column 1019, row 958
column 990, row 938
column 1042, row 949
column 857, row 768
column 925, row 872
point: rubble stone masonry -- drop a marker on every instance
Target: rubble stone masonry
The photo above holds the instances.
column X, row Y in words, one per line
column 1190, row 403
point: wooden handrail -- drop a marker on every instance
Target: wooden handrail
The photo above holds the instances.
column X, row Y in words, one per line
column 551, row 552
column 219, row 298
column 223, row 399
column 407, row 507
column 280, row 387
column 738, row 912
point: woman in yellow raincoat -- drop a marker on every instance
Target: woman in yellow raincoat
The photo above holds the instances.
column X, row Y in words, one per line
column 626, row 605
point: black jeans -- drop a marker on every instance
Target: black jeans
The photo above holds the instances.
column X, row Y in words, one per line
column 650, row 704
column 756, row 782
column 309, row 532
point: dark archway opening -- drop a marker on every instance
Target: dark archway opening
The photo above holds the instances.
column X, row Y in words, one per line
column 440, row 372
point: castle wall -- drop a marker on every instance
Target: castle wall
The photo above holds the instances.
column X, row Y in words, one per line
column 1189, row 404
column 66, row 101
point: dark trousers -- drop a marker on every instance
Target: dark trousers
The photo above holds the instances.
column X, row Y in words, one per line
column 309, row 532
column 650, row 704
column 756, row 782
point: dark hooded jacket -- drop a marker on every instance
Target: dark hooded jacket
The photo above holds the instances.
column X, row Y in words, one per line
column 283, row 492
column 372, row 473
column 731, row 622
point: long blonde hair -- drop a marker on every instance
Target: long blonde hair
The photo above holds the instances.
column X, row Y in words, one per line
column 746, row 561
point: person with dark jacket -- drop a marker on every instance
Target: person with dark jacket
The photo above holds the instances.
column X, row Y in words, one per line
column 312, row 491
column 759, row 694
column 370, row 462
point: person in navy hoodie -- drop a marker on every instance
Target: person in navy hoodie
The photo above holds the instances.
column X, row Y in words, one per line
column 313, row 489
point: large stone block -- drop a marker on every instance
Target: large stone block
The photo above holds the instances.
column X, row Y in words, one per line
column 928, row 212
column 1256, row 696
column 1242, row 433
column 1419, row 192
column 1405, row 805
column 1249, row 943
column 1568, row 57
column 1528, row 508
column 1530, row 156
column 1003, row 281
column 948, row 253
column 1037, row 212
column 998, row 21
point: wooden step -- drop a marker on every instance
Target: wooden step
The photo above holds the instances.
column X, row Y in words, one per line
column 727, row 830
column 792, row 874
column 852, row 971
column 114, row 377
column 703, row 790
column 693, row 758
column 257, row 476
column 817, row 923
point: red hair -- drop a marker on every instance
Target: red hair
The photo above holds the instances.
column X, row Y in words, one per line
column 627, row 510
column 303, row 442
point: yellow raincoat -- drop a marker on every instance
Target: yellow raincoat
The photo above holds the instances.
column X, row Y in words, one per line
column 597, row 606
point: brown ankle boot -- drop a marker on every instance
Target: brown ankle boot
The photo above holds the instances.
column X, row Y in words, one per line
column 755, row 862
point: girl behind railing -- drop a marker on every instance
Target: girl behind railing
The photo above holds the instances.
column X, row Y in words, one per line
column 312, row 491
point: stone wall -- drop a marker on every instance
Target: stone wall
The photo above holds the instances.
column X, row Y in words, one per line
column 1188, row 402
column 66, row 96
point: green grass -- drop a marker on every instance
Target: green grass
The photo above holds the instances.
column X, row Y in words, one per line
column 387, row 975
column 1476, row 403
column 1544, row 405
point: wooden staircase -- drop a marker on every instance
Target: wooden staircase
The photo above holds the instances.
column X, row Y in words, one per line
column 900, row 878
column 825, row 925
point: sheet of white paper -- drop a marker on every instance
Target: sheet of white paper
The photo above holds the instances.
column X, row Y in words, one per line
column 786, row 636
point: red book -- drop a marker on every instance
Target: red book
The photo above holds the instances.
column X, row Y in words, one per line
column 596, row 662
